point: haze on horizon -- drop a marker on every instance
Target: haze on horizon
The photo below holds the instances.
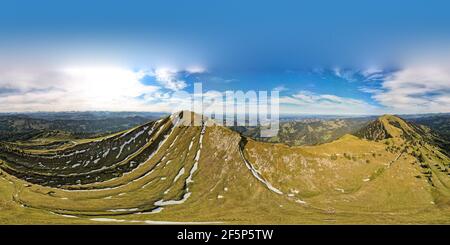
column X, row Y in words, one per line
column 350, row 59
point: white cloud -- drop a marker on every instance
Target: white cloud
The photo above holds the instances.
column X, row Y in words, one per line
column 416, row 89
column 281, row 88
column 169, row 78
column 196, row 69
column 369, row 90
column 353, row 75
column 346, row 74
column 79, row 88
column 105, row 83
column 73, row 88
column 373, row 73
column 307, row 102
column 337, row 71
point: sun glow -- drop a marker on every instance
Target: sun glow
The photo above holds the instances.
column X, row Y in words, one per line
column 106, row 84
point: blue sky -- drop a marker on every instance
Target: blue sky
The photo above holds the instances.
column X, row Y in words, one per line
column 325, row 57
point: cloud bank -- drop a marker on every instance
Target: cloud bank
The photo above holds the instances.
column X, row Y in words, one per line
column 414, row 89
column 307, row 102
column 77, row 88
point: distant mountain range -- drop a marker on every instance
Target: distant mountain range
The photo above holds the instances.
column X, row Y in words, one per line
column 18, row 126
column 308, row 131
column 322, row 129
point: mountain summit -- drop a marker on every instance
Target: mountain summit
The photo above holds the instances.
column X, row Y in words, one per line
column 172, row 170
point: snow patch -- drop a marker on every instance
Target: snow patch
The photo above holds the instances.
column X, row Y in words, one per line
column 131, row 140
column 151, row 222
column 173, row 143
column 300, row 201
column 193, row 169
column 154, row 211
column 124, row 210
column 173, row 202
column 108, row 220
column 106, row 153
column 258, row 175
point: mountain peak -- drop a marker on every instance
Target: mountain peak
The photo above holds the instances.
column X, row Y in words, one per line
column 388, row 117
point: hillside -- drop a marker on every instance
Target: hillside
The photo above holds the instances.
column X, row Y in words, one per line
column 388, row 126
column 307, row 131
column 167, row 171
column 440, row 124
